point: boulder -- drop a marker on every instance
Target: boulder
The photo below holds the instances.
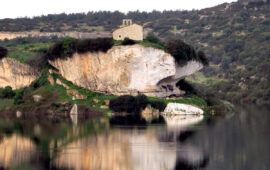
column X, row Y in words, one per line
column 104, row 107
column 182, row 109
column 37, row 98
column 51, row 80
column 95, row 100
column 74, row 114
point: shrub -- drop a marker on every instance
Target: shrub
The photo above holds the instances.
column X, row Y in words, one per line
column 134, row 105
column 7, row 92
column 3, row 52
column 158, row 105
column 94, row 45
column 153, row 39
column 39, row 60
column 128, row 41
column 18, row 99
column 203, row 58
column 55, row 51
column 41, row 81
column 83, row 45
column 184, row 85
column 67, row 47
column 124, row 103
column 181, row 51
column 266, row 22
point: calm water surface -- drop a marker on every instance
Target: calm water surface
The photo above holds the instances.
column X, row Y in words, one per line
column 237, row 141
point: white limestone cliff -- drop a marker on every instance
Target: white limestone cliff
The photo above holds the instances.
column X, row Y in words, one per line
column 16, row 74
column 126, row 70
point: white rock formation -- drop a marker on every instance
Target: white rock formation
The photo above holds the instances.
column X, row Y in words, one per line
column 126, row 70
column 182, row 109
column 16, row 74
column 37, row 98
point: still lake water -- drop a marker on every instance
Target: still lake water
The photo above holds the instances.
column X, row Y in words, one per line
column 235, row 142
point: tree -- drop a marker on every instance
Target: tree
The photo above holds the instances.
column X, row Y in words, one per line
column 181, row 51
column 128, row 41
column 6, row 92
column 153, row 39
column 203, row 58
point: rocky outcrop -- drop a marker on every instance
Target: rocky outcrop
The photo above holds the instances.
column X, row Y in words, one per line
column 16, row 74
column 182, row 109
column 126, row 70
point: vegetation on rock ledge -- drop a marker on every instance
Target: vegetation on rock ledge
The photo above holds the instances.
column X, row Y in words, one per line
column 68, row 46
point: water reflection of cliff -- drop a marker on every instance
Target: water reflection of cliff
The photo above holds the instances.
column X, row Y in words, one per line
column 132, row 149
column 92, row 145
column 119, row 149
column 14, row 150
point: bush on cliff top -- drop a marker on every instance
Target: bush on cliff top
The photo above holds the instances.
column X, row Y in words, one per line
column 3, row 52
column 128, row 41
column 38, row 60
column 183, row 52
column 151, row 38
column 68, row 46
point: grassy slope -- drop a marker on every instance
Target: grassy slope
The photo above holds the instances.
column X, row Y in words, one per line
column 22, row 52
column 193, row 100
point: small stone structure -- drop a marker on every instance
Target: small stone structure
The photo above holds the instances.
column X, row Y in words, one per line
column 128, row 30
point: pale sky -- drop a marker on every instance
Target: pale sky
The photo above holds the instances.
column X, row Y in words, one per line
column 30, row 8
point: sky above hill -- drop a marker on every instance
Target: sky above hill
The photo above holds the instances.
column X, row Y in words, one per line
column 30, row 8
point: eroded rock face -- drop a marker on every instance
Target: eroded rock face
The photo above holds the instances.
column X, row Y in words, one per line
column 126, row 70
column 16, row 74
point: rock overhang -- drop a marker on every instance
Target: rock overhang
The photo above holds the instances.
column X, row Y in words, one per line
column 130, row 69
